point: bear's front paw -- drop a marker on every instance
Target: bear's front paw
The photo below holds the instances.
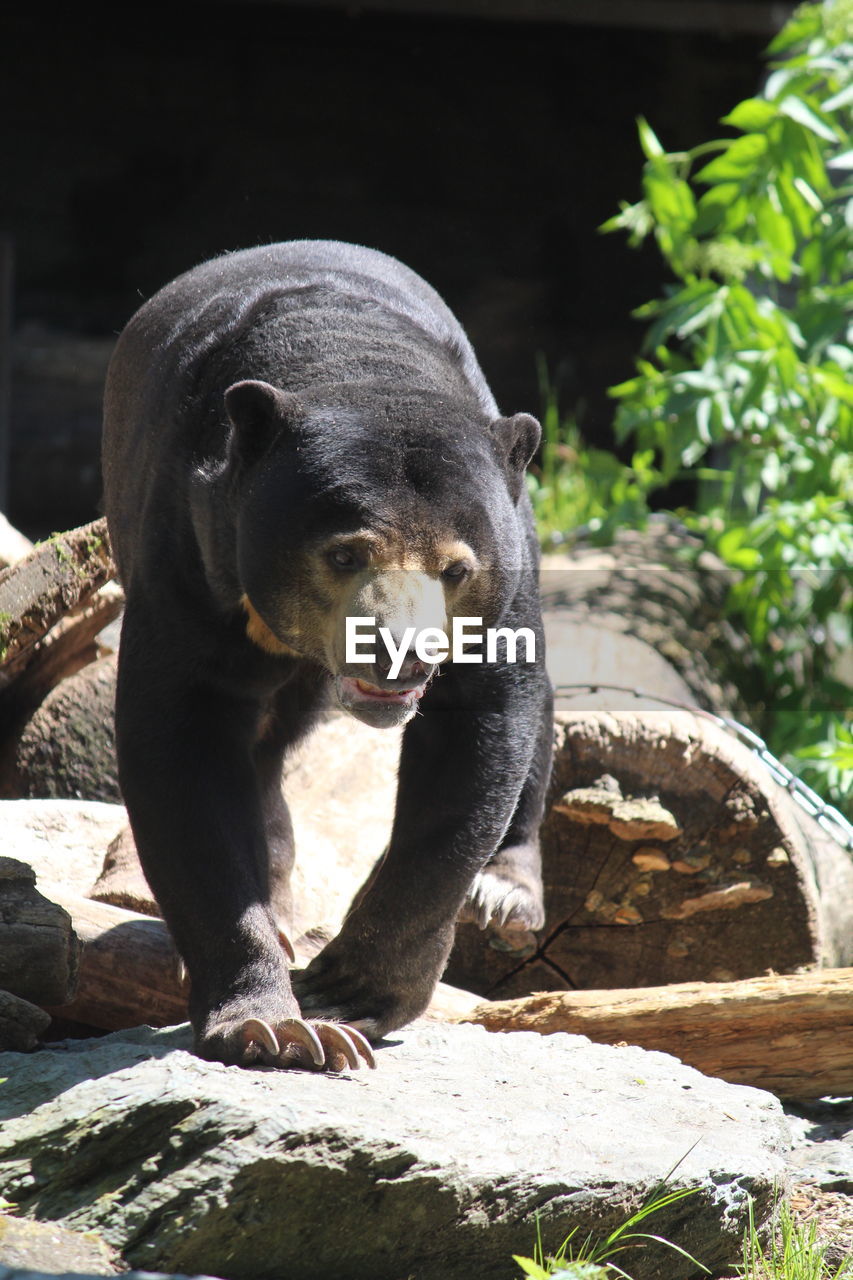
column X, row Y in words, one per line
column 283, row 1042
column 507, row 894
column 374, row 999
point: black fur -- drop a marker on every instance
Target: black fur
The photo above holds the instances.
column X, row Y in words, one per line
column 371, row 413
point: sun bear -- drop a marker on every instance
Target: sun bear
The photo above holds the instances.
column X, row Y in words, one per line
column 298, row 441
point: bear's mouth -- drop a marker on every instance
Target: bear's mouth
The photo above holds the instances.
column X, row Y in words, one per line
column 373, row 691
column 381, row 708
column 361, row 688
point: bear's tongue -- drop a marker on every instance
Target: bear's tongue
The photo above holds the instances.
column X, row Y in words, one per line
column 397, row 695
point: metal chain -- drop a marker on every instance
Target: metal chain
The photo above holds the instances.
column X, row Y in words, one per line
column 834, row 823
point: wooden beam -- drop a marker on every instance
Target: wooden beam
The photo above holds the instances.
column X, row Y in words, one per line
column 789, row 1033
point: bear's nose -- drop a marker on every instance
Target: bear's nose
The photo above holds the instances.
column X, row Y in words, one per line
column 412, row 670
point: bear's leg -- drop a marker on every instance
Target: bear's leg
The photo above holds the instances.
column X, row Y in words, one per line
column 464, row 764
column 506, row 896
column 278, row 828
column 186, row 766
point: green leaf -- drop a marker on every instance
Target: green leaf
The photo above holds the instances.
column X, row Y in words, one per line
column 803, row 25
column 648, row 139
column 796, row 109
column 751, row 115
column 738, row 161
column 531, row 1268
column 842, row 99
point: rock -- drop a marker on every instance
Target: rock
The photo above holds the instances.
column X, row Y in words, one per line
column 43, row 1247
column 39, row 952
column 436, row 1165
column 822, row 1134
column 21, row 1023
column 64, row 841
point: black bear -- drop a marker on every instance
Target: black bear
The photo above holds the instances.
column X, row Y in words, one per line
column 302, row 460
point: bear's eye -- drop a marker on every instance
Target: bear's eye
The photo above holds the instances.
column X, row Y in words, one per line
column 343, row 558
column 455, row 571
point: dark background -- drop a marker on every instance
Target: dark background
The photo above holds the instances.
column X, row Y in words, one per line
column 484, row 153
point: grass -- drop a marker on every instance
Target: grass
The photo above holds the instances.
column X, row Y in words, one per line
column 794, row 1253
column 591, row 1259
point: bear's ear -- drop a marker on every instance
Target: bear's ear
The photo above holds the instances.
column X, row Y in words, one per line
column 257, row 411
column 516, row 440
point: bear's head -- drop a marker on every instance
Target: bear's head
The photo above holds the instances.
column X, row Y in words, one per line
column 366, row 523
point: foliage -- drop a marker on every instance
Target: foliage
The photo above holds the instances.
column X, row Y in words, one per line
column 576, row 486
column 745, row 383
column 793, row 1254
column 591, row 1259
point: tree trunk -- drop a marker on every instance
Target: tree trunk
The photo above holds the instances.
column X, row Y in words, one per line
column 670, row 852
column 791, row 1034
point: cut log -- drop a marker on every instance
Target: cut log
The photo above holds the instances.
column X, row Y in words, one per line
column 695, row 865
column 647, row 612
column 38, row 947
column 792, row 1034
column 670, row 852
column 129, row 971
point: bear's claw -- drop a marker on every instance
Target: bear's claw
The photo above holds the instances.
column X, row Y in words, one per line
column 332, row 1046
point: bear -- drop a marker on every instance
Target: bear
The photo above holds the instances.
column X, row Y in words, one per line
column 301, row 453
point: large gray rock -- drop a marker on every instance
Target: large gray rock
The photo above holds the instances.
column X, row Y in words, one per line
column 434, row 1166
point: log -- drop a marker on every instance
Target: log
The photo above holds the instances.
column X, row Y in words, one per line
column 38, row 947
column 670, row 852
column 56, row 577
column 53, row 604
column 128, row 971
column 790, row 1034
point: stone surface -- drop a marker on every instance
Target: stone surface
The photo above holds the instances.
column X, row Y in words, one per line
column 64, row 841
column 822, row 1134
column 45, row 1246
column 436, row 1165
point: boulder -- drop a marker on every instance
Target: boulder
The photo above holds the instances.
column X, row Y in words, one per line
column 438, row 1164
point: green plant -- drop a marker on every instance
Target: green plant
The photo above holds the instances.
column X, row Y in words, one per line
column 746, row 380
column 591, row 1259
column 574, row 486
column 793, row 1254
